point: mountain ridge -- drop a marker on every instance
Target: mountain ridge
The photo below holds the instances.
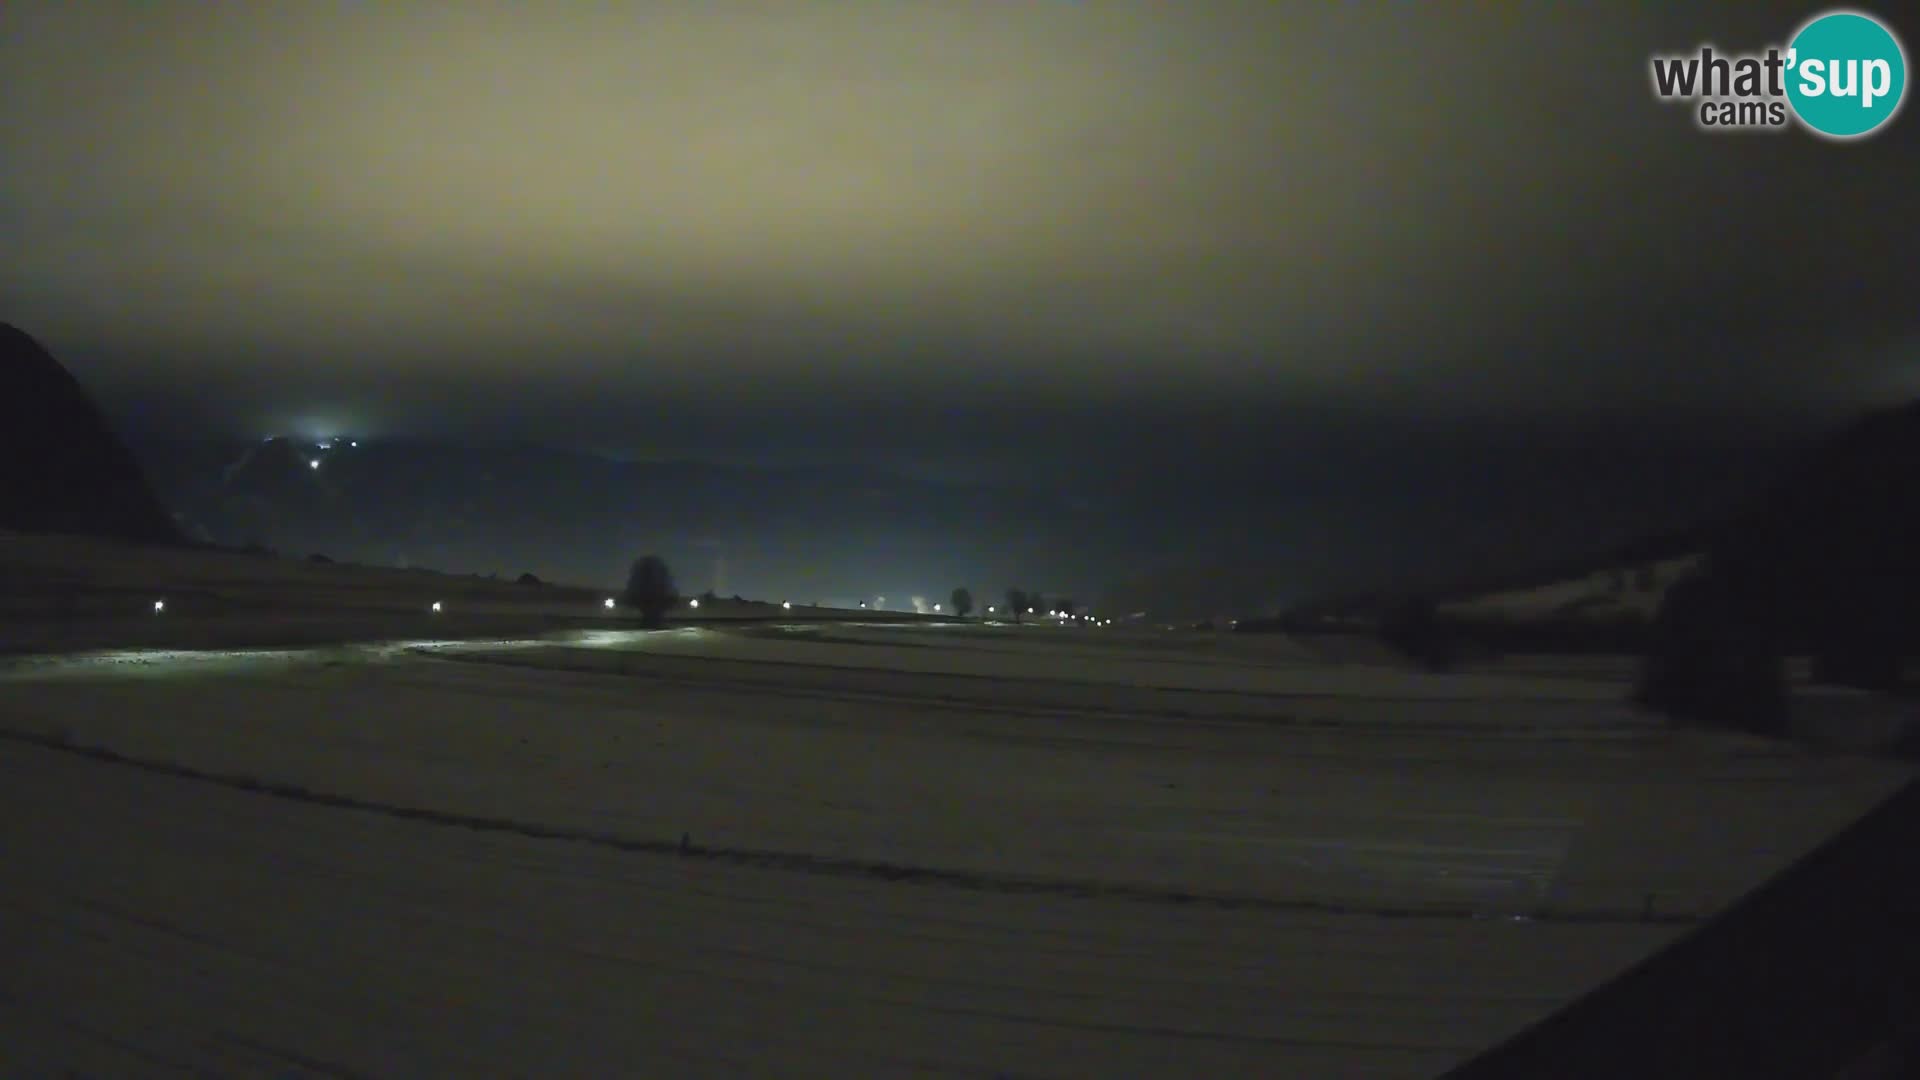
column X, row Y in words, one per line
column 63, row 469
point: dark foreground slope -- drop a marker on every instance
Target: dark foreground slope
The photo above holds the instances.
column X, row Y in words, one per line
column 1816, row 974
column 62, row 469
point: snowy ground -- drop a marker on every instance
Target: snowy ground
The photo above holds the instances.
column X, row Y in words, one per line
column 985, row 850
column 1602, row 594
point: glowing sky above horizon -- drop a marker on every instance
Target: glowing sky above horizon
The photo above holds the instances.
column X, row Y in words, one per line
column 544, row 220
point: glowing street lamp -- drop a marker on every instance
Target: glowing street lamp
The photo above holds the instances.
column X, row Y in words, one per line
column 786, row 605
column 694, row 603
column 314, row 464
column 936, row 607
column 159, row 606
column 435, row 608
column 609, row 603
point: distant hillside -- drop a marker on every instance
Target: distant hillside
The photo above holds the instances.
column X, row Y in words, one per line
column 1183, row 540
column 62, row 468
column 809, row 533
column 1835, row 541
column 1625, row 581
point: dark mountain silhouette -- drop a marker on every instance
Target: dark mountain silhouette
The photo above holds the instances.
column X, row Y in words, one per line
column 62, row 469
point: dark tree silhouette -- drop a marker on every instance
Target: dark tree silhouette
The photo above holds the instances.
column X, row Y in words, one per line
column 1069, row 607
column 1037, row 601
column 1714, row 655
column 962, row 601
column 1017, row 603
column 1834, row 549
column 529, row 578
column 1413, row 627
column 650, row 590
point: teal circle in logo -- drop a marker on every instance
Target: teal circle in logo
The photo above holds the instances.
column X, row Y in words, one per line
column 1846, row 76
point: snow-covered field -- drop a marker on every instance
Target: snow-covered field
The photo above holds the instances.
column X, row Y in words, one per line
column 847, row 850
column 1623, row 592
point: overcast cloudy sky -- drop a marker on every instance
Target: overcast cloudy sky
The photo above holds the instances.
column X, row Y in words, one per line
column 910, row 227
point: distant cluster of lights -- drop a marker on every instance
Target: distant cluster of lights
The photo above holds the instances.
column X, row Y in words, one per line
column 333, row 444
column 437, row 607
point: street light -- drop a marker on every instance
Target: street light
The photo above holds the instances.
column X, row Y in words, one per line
column 693, row 603
column 786, row 605
column 435, row 608
column 159, row 606
column 609, row 603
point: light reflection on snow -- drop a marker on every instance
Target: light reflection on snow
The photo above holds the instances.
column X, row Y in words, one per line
column 155, row 662
column 616, row 639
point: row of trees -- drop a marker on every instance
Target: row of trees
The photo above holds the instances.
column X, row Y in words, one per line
column 650, row 591
column 1019, row 602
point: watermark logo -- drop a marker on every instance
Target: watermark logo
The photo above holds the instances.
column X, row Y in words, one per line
column 1842, row 75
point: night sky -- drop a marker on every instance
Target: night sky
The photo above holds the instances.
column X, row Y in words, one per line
column 992, row 237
